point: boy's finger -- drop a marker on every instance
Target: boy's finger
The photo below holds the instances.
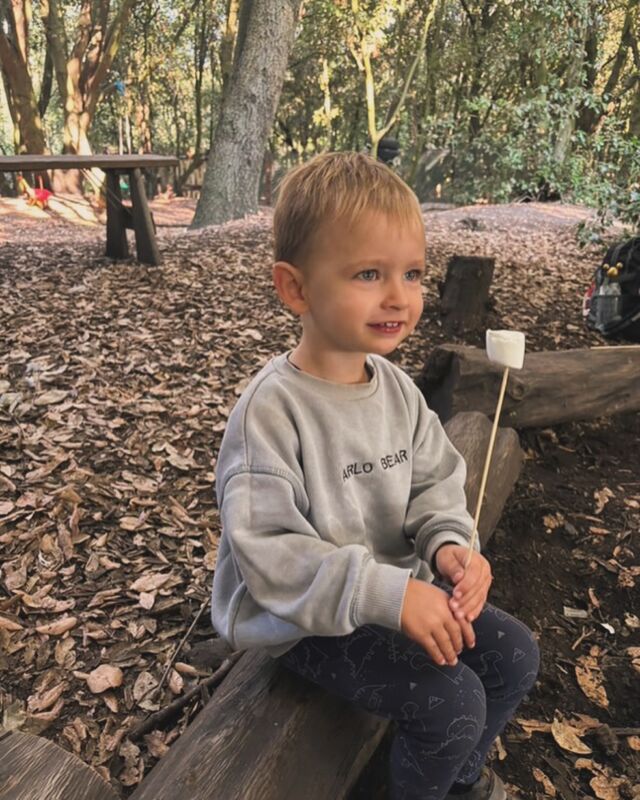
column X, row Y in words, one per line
column 469, row 599
column 431, row 646
column 446, row 647
column 468, row 634
column 474, row 606
column 455, row 634
column 470, row 579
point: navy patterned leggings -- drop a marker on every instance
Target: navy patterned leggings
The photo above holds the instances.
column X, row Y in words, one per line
column 447, row 717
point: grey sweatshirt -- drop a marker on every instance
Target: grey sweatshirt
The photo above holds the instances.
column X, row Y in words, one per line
column 331, row 497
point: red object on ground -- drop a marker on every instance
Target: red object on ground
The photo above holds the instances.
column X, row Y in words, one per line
column 35, row 197
column 41, row 197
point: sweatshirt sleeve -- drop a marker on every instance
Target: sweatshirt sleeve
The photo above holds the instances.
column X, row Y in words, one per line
column 293, row 573
column 437, row 510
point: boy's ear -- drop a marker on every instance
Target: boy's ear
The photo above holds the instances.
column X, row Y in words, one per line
column 289, row 284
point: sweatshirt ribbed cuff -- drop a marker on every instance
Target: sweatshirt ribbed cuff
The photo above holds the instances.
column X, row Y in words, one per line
column 381, row 595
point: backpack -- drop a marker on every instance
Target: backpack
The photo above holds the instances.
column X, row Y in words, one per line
column 611, row 304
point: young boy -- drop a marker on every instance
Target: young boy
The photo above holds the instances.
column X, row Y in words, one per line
column 342, row 499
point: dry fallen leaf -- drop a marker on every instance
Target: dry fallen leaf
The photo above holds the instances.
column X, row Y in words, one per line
column 568, row 737
column 104, row 677
column 50, row 398
column 111, row 701
column 9, row 624
column 175, row 682
column 590, row 680
column 548, row 787
column 133, row 766
column 634, row 742
column 147, row 600
column 156, row 744
column 144, row 685
column 606, row 787
column 44, row 700
column 58, row 627
column 553, row 521
column 602, row 497
column 150, row 582
column 634, row 652
column 530, row 726
column 37, row 723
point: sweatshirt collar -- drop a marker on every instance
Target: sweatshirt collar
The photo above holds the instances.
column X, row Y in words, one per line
column 337, row 391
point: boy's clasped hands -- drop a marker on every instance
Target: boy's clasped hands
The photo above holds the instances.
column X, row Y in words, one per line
column 441, row 623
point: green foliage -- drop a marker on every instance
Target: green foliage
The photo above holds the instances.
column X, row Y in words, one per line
column 530, row 98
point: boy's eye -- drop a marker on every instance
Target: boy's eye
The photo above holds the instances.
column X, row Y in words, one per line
column 367, row 273
column 416, row 273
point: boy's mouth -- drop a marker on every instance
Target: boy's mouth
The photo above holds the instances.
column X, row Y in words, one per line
column 386, row 327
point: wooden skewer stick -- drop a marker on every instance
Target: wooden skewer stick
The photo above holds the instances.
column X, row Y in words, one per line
column 487, row 464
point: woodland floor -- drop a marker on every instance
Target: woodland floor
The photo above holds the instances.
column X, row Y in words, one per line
column 116, row 380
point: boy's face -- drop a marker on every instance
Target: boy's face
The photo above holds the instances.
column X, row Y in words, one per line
column 358, row 278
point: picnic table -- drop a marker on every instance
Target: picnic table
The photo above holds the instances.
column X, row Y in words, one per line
column 119, row 217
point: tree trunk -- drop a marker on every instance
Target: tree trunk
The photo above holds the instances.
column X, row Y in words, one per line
column 28, row 134
column 552, row 387
column 590, row 117
column 228, row 42
column 263, row 722
column 231, row 182
column 465, row 293
column 573, row 79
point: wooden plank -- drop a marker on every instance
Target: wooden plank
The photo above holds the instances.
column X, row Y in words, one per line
column 146, row 245
column 44, row 162
column 553, row 387
column 33, row 768
column 117, row 246
column 266, row 734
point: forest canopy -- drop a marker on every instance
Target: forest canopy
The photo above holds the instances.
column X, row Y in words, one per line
column 490, row 100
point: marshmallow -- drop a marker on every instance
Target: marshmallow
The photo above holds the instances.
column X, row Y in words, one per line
column 506, row 348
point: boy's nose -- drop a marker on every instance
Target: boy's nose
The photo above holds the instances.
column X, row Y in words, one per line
column 395, row 295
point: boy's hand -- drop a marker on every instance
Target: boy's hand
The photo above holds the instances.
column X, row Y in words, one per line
column 471, row 585
column 427, row 619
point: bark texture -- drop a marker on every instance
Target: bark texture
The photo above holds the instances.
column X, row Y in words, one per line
column 28, row 134
column 552, row 387
column 34, row 768
column 465, row 293
column 232, row 179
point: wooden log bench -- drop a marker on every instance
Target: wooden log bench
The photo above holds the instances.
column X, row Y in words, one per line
column 35, row 768
column 119, row 216
column 553, row 387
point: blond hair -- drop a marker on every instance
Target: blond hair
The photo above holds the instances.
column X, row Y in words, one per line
column 331, row 187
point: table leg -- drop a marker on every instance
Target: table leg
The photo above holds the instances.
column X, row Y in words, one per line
column 116, row 227
column 146, row 245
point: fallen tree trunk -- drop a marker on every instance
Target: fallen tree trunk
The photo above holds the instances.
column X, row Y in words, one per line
column 552, row 387
column 266, row 734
